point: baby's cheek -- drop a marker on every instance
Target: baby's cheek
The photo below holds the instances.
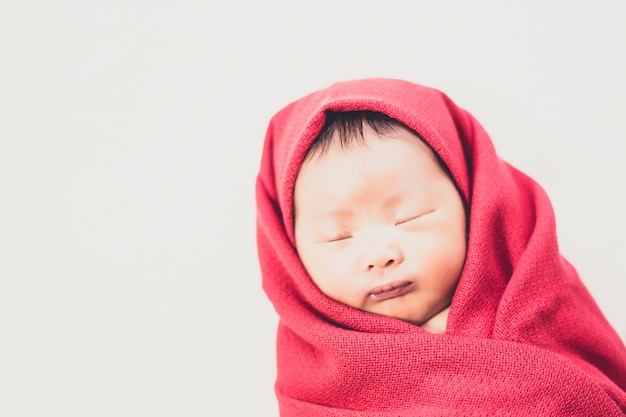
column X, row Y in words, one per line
column 338, row 271
column 319, row 265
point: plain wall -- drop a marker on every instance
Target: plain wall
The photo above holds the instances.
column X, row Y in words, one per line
column 130, row 138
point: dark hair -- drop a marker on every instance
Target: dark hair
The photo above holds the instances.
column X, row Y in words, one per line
column 346, row 129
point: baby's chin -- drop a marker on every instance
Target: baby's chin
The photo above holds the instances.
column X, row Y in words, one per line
column 437, row 323
column 433, row 321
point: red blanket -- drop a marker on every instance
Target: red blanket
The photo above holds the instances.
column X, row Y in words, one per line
column 524, row 337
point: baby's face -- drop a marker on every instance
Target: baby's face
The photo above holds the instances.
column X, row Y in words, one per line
column 381, row 227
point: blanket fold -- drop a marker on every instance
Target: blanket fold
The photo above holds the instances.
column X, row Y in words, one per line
column 524, row 336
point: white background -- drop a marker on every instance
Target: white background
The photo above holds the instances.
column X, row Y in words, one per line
column 131, row 134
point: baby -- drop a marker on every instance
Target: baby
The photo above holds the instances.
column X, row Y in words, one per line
column 415, row 272
column 379, row 224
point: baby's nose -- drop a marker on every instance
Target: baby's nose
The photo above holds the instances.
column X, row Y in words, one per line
column 386, row 256
column 389, row 262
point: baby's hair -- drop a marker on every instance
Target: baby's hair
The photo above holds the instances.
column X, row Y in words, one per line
column 347, row 129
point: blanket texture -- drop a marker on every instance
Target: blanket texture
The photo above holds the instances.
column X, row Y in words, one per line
column 524, row 337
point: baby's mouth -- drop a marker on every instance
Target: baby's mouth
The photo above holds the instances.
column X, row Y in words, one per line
column 391, row 290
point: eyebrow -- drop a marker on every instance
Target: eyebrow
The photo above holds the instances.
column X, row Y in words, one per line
column 335, row 213
column 340, row 213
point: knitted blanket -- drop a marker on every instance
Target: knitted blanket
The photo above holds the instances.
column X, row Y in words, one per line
column 524, row 337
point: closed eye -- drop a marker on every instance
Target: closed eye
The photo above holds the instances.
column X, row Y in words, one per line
column 339, row 238
column 406, row 220
column 411, row 218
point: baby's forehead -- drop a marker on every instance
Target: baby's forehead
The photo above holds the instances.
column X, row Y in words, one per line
column 392, row 165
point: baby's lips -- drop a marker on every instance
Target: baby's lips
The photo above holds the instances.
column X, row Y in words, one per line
column 390, row 289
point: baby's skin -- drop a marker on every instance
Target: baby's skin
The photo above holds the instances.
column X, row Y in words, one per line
column 381, row 227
